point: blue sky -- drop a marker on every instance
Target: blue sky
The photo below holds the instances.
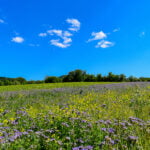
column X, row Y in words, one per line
column 53, row 37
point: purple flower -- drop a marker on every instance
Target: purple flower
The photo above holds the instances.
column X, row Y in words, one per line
column 30, row 130
column 111, row 130
column 104, row 129
column 52, row 139
column 132, row 138
column 65, row 124
column 25, row 133
column 75, row 148
column 50, row 131
column 89, row 147
column 101, row 121
column 112, row 142
column 107, row 122
column 1, row 137
column 123, row 124
column 14, row 123
column 83, row 121
column 38, row 132
column 80, row 141
column 83, row 148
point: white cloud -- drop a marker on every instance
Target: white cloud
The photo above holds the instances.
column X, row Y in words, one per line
column 55, row 32
column 59, row 44
column 67, row 40
column 64, row 35
column 101, row 38
column 75, row 24
column 2, row 21
column 42, row 34
column 98, row 36
column 18, row 39
column 67, row 34
column 116, row 30
column 104, row 44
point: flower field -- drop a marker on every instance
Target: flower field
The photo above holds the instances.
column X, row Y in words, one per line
column 75, row 116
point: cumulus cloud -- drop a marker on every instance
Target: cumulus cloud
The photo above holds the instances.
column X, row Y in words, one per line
column 17, row 39
column 104, row 44
column 62, row 38
column 55, row 32
column 101, row 38
column 65, row 36
column 75, row 24
column 67, row 40
column 98, row 36
column 59, row 33
column 59, row 44
column 42, row 34
column 2, row 21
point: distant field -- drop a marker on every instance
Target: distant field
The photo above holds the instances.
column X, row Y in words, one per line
column 75, row 116
column 47, row 86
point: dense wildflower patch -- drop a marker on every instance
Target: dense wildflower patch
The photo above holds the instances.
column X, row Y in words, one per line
column 86, row 118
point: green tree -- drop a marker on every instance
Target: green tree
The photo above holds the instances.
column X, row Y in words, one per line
column 90, row 78
column 99, row 78
column 122, row 77
column 21, row 80
column 52, row 79
column 76, row 76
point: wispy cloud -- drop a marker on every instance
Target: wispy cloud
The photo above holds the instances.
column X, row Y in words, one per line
column 59, row 33
column 104, row 44
column 42, row 34
column 59, row 44
column 75, row 24
column 98, row 36
column 2, row 21
column 55, row 32
column 142, row 34
column 116, row 30
column 18, row 39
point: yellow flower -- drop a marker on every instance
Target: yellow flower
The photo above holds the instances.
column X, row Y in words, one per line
column 12, row 119
column 1, row 110
column 5, row 121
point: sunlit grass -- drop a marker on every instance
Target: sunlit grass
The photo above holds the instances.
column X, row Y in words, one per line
column 48, row 86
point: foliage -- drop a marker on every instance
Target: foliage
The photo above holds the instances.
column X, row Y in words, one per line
column 74, row 76
column 52, row 79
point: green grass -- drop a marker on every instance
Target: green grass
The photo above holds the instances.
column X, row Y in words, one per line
column 47, row 86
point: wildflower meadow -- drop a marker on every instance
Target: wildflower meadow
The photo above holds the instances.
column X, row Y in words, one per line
column 84, row 116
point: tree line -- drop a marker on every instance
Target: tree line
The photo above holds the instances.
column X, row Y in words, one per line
column 74, row 76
